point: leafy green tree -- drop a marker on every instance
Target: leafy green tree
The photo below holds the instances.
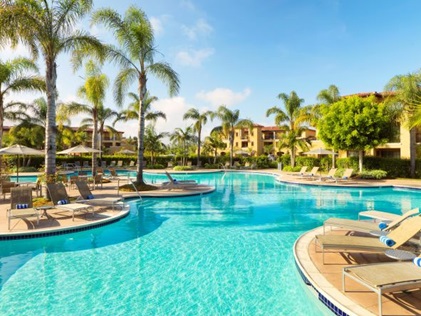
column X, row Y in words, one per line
column 230, row 120
column 153, row 142
column 200, row 119
column 16, row 75
column 94, row 91
column 135, row 56
column 407, row 102
column 47, row 27
column 292, row 120
column 182, row 138
column 355, row 123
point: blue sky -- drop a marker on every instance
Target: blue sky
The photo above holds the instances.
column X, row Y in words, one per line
column 244, row 53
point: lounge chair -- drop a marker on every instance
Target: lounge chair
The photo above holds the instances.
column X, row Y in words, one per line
column 6, row 187
column 120, row 163
column 330, row 175
column 345, row 177
column 61, row 200
column 174, row 183
column 112, row 164
column 131, row 164
column 113, row 175
column 400, row 235
column 87, row 197
column 310, row 175
column 365, row 226
column 385, row 277
column 301, row 172
column 379, row 215
column 21, row 205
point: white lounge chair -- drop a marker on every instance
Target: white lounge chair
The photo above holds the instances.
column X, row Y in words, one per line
column 174, row 183
column 87, row 197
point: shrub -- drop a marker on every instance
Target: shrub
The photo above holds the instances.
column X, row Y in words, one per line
column 183, row 168
column 373, row 174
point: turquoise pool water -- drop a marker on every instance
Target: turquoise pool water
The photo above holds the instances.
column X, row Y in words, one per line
column 225, row 253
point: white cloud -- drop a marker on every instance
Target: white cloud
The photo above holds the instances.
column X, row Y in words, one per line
column 220, row 96
column 19, row 51
column 174, row 109
column 157, row 25
column 194, row 57
column 200, row 28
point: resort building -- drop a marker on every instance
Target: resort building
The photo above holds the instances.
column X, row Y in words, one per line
column 265, row 139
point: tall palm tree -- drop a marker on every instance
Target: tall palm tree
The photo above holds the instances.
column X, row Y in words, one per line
column 94, row 91
column 47, row 27
column 407, row 100
column 213, row 142
column 182, row 138
column 200, row 119
column 135, row 56
column 291, row 119
column 15, row 76
column 132, row 111
column 153, row 142
column 230, row 120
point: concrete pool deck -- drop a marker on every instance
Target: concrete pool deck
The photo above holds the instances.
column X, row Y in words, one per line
column 325, row 279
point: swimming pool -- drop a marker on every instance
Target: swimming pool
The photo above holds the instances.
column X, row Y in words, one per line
column 225, row 253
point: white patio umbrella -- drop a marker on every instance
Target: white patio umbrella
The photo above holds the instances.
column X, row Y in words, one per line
column 79, row 149
column 20, row 150
column 322, row 151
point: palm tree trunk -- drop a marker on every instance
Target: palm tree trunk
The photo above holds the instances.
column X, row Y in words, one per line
column 293, row 157
column 94, row 140
column 198, row 147
column 51, row 128
column 1, row 132
column 231, row 139
column 141, row 122
column 360, row 160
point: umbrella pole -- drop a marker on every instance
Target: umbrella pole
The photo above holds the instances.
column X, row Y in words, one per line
column 17, row 168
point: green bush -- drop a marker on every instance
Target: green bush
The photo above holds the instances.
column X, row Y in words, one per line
column 291, row 169
column 373, row 174
column 183, row 168
column 155, row 166
column 307, row 161
column 212, row 166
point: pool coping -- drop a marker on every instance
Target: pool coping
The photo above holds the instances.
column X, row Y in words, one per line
column 65, row 230
column 330, row 296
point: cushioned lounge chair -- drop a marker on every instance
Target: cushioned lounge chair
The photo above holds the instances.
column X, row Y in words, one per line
column 61, row 200
column 330, row 175
column 21, row 205
column 87, row 197
column 365, row 226
column 173, row 183
column 310, row 175
column 384, row 277
column 400, row 235
column 345, row 177
column 380, row 215
column 301, row 172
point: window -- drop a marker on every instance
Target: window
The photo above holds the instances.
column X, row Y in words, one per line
column 388, row 153
column 244, row 144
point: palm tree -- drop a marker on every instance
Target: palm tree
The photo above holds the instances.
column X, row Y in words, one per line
column 214, row 143
column 47, row 27
column 293, row 116
column 153, row 142
column 407, row 101
column 94, row 91
column 200, row 120
column 132, row 112
column 230, row 120
column 14, row 77
column 182, row 138
column 136, row 58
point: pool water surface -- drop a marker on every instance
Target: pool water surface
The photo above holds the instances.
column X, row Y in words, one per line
column 224, row 253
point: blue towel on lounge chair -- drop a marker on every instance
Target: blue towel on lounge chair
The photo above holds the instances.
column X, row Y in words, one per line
column 22, row 206
column 417, row 261
column 387, row 241
column 382, row 225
